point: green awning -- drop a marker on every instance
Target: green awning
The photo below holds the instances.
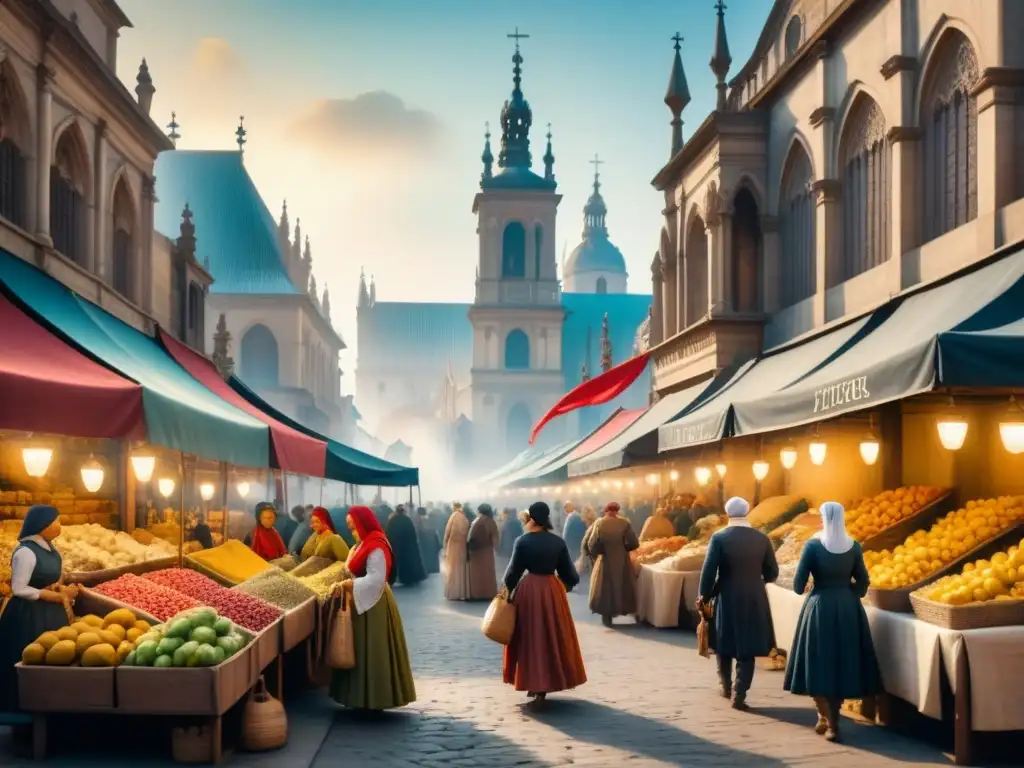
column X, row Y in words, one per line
column 180, row 412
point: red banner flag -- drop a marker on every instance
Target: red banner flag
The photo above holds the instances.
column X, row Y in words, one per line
column 595, row 391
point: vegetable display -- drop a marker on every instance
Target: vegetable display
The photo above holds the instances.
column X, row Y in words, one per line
column 92, row 547
column 277, row 588
column 147, row 596
column 89, row 642
column 232, row 561
column 323, row 581
column 196, row 638
column 247, row 611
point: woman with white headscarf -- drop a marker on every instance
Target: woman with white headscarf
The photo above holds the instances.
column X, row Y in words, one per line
column 739, row 562
column 832, row 657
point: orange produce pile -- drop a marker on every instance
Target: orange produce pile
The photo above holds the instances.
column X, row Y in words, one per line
column 873, row 515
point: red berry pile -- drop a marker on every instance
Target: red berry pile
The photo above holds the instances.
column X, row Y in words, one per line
column 147, row 596
column 245, row 610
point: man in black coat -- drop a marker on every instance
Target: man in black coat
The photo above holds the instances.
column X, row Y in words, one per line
column 740, row 561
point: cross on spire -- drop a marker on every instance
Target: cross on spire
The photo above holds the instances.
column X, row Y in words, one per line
column 240, row 134
column 517, row 36
column 720, row 7
column 677, row 39
column 597, row 163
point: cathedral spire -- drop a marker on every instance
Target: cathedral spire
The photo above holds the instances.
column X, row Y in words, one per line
column 172, row 130
column 284, row 230
column 144, row 87
column 325, row 303
column 549, row 159
column 307, row 253
column 606, row 345
column 364, row 295
column 487, row 157
column 240, row 134
column 595, row 211
column 296, row 253
column 516, row 117
column 721, row 60
column 678, row 95
column 373, row 291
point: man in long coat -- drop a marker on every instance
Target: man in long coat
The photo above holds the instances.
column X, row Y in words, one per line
column 739, row 562
column 401, row 532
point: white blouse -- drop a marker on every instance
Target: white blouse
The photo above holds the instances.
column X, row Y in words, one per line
column 23, row 563
column 367, row 590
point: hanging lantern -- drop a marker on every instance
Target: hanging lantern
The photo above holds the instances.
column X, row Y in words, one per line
column 630, row 483
column 166, row 487
column 673, row 475
column 869, row 449
column 703, row 475
column 206, row 491
column 1011, row 430
column 143, row 466
column 92, row 475
column 37, row 461
column 760, row 470
column 558, row 489
column 652, row 479
column 720, row 469
column 604, row 483
column 788, row 456
column 243, row 489
column 618, row 484
column 817, row 449
column 953, row 432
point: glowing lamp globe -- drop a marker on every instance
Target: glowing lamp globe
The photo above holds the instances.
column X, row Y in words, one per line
column 952, row 433
column 703, row 475
column 817, row 449
column 142, row 467
column 92, row 475
column 1012, row 435
column 37, row 461
column 206, row 491
column 788, row 457
column 673, row 475
column 166, row 487
column 869, row 449
column 243, row 489
column 720, row 469
column 760, row 470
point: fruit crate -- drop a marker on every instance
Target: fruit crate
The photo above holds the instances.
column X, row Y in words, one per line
column 994, row 613
column 897, row 533
column 90, row 602
column 898, row 600
column 298, row 624
column 65, row 689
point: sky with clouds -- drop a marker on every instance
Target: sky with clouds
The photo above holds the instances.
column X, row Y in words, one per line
column 368, row 117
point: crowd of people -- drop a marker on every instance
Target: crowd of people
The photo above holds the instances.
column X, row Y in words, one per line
column 540, row 553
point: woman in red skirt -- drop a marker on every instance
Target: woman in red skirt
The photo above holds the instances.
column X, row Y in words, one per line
column 544, row 655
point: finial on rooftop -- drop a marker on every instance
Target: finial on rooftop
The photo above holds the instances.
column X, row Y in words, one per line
column 187, row 236
column 721, row 60
column 312, row 288
column 325, row 303
column 678, row 95
column 296, row 251
column 549, row 158
column 606, row 345
column 173, row 127
column 516, row 117
column 364, row 294
column 222, row 349
column 595, row 211
column 373, row 290
column 307, row 254
column 144, row 87
column 240, row 134
column 487, row 157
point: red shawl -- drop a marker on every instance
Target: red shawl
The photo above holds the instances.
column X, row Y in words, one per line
column 371, row 537
column 267, row 542
column 321, row 514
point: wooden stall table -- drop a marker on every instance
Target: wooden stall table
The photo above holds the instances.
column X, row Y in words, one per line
column 914, row 655
column 660, row 592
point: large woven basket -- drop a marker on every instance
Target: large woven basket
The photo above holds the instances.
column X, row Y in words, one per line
column 898, row 600
column 994, row 613
column 264, row 721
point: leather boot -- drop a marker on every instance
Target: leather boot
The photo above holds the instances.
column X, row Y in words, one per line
column 725, row 676
column 832, row 733
column 822, row 706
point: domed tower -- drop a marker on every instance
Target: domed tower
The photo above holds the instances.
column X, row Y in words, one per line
column 595, row 265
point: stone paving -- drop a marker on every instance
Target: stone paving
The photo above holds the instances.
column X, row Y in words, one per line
column 650, row 700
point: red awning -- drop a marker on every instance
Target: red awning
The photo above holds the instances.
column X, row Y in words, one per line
column 603, row 434
column 47, row 386
column 291, row 450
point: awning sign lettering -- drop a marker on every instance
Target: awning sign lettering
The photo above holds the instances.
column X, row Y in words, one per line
column 841, row 393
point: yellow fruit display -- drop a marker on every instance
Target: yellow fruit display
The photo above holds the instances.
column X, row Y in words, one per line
column 142, row 626
column 133, row 634
column 122, row 617
column 62, row 654
column 950, row 538
column 92, row 621
column 33, row 654
column 1001, row 578
column 102, row 655
column 47, row 640
column 87, row 640
column 80, row 627
column 67, row 633
column 870, row 517
column 123, row 650
column 117, row 631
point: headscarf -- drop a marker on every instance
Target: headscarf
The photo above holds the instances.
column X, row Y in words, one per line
column 540, row 513
column 611, row 509
column 833, row 533
column 321, row 514
column 486, row 510
column 737, row 507
column 267, row 542
column 371, row 537
column 39, row 518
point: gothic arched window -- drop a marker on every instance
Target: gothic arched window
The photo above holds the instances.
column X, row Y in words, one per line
column 259, row 358
column 122, row 261
column 517, row 351
column 15, row 140
column 949, row 121
column 602, row 285
column 696, row 283
column 797, row 229
column 68, row 182
column 864, row 160
column 794, row 34
column 538, row 249
column 513, row 250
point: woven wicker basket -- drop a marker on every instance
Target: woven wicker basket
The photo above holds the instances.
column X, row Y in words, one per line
column 192, row 746
column 995, row 613
column 264, row 721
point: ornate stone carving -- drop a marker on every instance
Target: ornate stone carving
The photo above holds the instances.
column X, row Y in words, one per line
column 826, row 190
column 900, row 133
column 896, row 64
column 656, row 272
column 822, row 115
column 957, row 71
column 865, row 129
column 686, row 348
column 222, row 349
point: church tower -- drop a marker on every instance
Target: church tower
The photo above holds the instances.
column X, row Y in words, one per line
column 517, row 314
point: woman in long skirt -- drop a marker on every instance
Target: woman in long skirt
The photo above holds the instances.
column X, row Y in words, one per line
column 456, row 568
column 544, row 654
column 382, row 677
column 832, row 656
column 482, row 545
column 612, row 582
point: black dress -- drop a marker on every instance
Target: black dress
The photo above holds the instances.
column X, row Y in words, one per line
column 25, row 620
column 401, row 532
column 430, row 544
column 832, row 654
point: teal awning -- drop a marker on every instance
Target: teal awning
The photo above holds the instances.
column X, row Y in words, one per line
column 344, row 463
column 180, row 412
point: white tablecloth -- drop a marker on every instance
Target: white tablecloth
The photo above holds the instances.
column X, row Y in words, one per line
column 912, row 654
column 659, row 591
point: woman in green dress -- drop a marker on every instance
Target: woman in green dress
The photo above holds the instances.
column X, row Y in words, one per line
column 382, row 677
column 324, row 541
column 833, row 656
column 38, row 603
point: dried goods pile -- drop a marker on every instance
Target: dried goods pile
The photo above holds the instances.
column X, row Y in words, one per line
column 277, row 588
column 322, row 582
column 196, row 638
column 286, row 563
column 870, row 517
column 688, row 558
column 791, row 537
column 312, row 565
column 245, row 610
column 706, row 527
column 1001, row 578
column 147, row 596
column 651, row 552
column 925, row 553
column 232, row 561
column 95, row 548
column 89, row 642
column 776, row 511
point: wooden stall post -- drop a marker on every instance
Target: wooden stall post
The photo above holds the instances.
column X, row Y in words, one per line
column 963, row 734
column 126, row 489
column 181, row 513
column 224, row 480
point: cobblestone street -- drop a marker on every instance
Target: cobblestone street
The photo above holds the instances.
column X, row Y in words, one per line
column 650, row 700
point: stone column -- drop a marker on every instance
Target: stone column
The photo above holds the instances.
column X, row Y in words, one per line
column 771, row 265
column 827, row 243
column 905, row 200
column 657, row 322
column 102, row 257
column 44, row 153
column 718, row 228
column 668, row 298
column 995, row 93
column 144, row 279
